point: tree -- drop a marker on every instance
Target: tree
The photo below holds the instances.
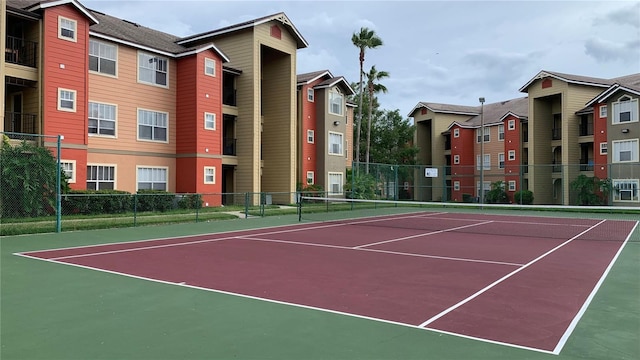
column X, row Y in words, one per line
column 393, row 139
column 374, row 87
column 365, row 39
column 497, row 195
column 591, row 190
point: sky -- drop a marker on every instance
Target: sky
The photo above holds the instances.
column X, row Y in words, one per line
column 449, row 52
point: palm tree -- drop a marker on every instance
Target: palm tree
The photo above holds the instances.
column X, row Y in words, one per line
column 365, row 39
column 374, row 87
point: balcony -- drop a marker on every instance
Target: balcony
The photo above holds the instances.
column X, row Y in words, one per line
column 556, row 134
column 19, row 123
column 229, row 147
column 586, row 129
column 586, row 164
column 21, row 52
column 557, row 167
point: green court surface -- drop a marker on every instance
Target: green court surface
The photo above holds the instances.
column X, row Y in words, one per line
column 52, row 311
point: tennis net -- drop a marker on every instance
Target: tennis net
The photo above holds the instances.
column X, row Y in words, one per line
column 555, row 222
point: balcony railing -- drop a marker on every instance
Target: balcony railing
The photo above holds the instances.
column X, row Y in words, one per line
column 20, row 51
column 557, row 167
column 229, row 146
column 19, row 123
column 586, row 164
column 556, row 134
column 586, row 129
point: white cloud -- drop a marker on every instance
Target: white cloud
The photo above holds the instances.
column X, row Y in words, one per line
column 610, row 51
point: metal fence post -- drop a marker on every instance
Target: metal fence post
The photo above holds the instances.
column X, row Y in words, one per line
column 58, row 191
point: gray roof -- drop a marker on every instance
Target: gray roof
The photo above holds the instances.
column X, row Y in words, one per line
column 447, row 108
column 307, row 77
column 495, row 112
column 336, row 81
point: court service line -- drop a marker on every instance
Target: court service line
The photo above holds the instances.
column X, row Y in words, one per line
column 514, row 222
column 587, row 302
column 381, row 251
column 424, row 234
column 493, row 284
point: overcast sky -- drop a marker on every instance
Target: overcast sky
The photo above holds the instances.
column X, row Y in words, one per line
column 435, row 51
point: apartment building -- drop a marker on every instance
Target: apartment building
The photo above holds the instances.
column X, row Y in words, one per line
column 326, row 119
column 541, row 142
column 142, row 109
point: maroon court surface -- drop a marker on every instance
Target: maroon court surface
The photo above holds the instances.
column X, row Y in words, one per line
column 469, row 275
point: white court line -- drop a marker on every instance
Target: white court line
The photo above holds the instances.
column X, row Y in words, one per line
column 380, row 251
column 512, row 222
column 309, row 307
column 587, row 302
column 419, row 235
column 493, row 284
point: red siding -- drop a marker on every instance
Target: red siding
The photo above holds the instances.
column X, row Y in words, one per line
column 512, row 141
column 464, row 171
column 599, row 136
column 309, row 151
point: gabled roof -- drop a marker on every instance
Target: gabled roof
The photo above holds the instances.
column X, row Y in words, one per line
column 203, row 48
column 34, row 5
column 307, row 78
column 603, row 96
column 569, row 78
column 336, row 81
column 447, row 109
column 495, row 113
column 280, row 17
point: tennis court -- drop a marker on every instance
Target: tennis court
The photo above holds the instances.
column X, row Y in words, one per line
column 512, row 280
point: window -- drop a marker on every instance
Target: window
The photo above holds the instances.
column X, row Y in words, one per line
column 456, row 185
column 625, row 110
column 209, row 121
column 151, row 178
column 626, row 190
column 603, row 148
column 102, row 119
column 486, row 163
column 625, row 150
column 335, row 183
column 346, row 148
column 603, row 111
column 67, row 28
column 69, row 168
column 152, row 69
column 479, row 132
column 152, row 125
column 66, row 100
column 501, row 132
column 311, row 136
column 100, row 177
column 310, row 177
column 209, row 175
column 512, row 185
column 310, row 95
column 501, row 160
column 209, row 67
column 456, row 132
column 102, row 57
column 511, row 124
column 512, row 155
column 335, row 143
column 456, row 159
column 486, row 187
column 335, row 103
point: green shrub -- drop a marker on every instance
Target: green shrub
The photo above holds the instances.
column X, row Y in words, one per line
column 523, row 197
column 96, row 202
column 468, row 198
column 154, row 200
column 190, row 201
column 497, row 195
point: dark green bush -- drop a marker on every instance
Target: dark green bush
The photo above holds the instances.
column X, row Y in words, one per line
column 497, row 195
column 190, row 201
column 96, row 202
column 467, row 198
column 523, row 197
column 154, row 200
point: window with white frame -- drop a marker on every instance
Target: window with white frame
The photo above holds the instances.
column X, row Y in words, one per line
column 102, row 119
column 152, row 69
column 310, row 177
column 487, row 133
column 209, row 121
column 67, row 28
column 152, row 125
column 336, row 103
column 66, row 100
column 512, row 185
column 501, row 132
column 456, row 159
column 209, row 67
column 486, row 187
column 152, row 178
column 603, row 111
column 335, row 143
column 102, row 57
column 101, row 177
column 625, row 150
column 512, row 155
column 625, row 110
column 69, row 169
column 335, row 183
column 310, row 95
column 486, row 162
column 501, row 161
column 603, row 148
column 511, row 124
column 311, row 136
column 346, row 148
column 456, row 132
column 626, row 190
column 456, row 185
column 209, row 175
